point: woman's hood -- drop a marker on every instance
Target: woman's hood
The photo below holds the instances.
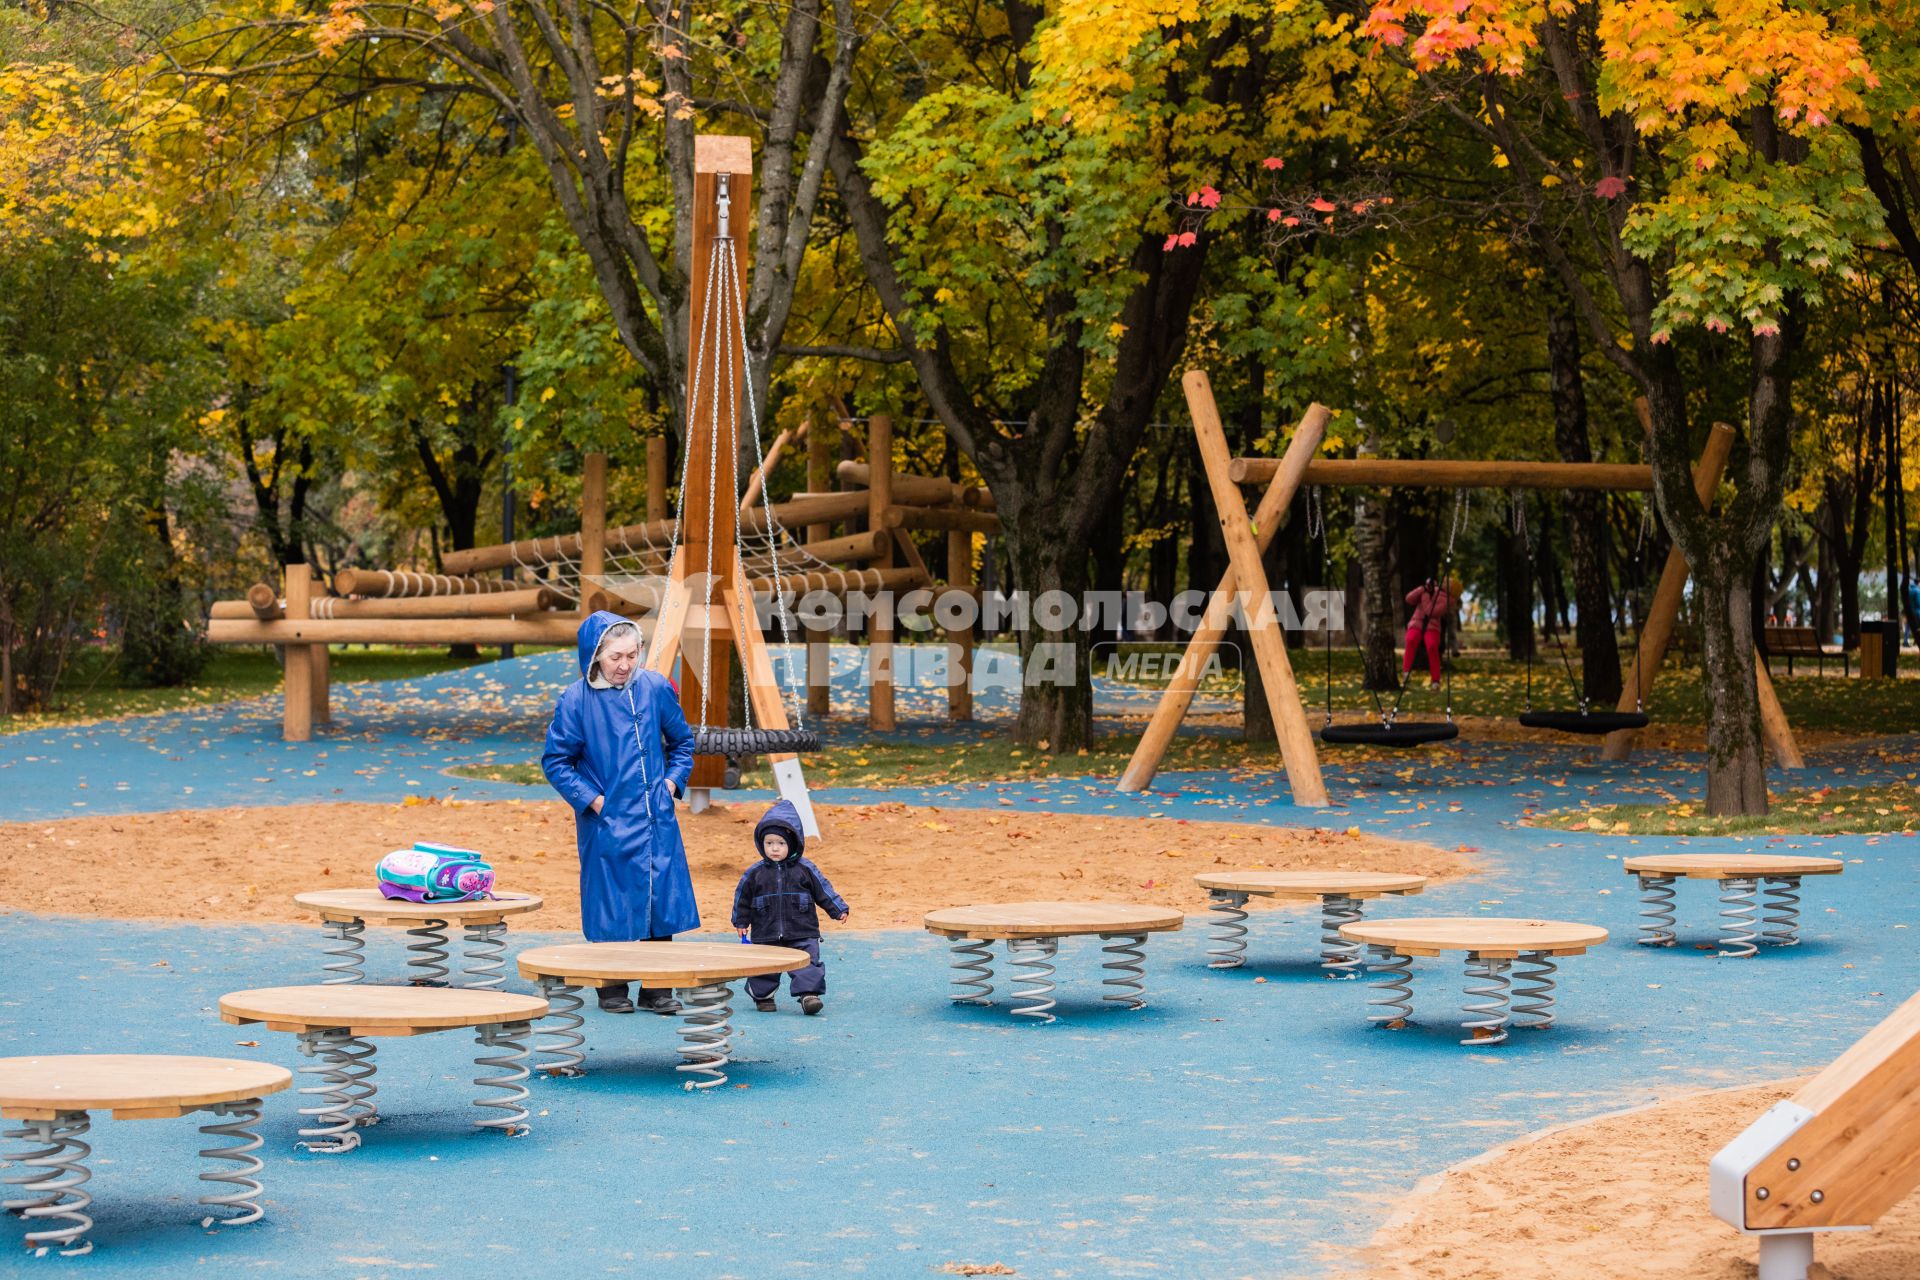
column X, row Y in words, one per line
column 593, row 631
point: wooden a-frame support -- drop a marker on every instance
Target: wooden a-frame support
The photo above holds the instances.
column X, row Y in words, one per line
column 1246, row 541
column 1246, row 579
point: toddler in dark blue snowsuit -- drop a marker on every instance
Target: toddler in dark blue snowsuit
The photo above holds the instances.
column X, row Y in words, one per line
column 776, row 905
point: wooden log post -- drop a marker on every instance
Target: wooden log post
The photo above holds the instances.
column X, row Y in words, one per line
column 960, row 639
column 1283, row 696
column 880, row 707
column 296, row 723
column 593, row 527
column 656, row 479
column 322, row 665
column 823, row 442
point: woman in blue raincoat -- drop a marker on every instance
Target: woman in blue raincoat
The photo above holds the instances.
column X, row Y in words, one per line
column 619, row 752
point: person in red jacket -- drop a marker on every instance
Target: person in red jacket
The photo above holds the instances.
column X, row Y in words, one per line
column 1429, row 602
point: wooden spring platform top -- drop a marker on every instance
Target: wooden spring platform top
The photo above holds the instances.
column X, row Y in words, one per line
column 1311, row 884
column 135, row 1086
column 656, row 964
column 1496, row 936
column 367, row 1010
column 1721, row 866
column 369, row 905
column 1051, row 920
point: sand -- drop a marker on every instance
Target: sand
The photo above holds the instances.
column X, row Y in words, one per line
column 1622, row 1197
column 892, row 862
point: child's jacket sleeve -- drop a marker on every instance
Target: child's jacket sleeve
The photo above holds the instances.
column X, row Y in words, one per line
column 566, row 746
column 824, row 895
column 743, row 900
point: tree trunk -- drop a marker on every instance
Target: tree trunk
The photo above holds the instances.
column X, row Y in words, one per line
column 1592, row 589
column 1514, row 592
column 1736, row 761
column 1377, row 648
column 1056, row 697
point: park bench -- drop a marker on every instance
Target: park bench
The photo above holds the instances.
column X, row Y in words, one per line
column 1800, row 642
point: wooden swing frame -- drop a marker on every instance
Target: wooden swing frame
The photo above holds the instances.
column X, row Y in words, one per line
column 1247, row 537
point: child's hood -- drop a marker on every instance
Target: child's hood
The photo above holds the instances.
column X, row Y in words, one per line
column 785, row 819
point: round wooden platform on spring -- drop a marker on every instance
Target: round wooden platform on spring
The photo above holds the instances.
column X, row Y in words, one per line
column 134, row 1086
column 1311, row 884
column 378, row 1011
column 374, row 908
column 1051, row 920
column 1731, row 866
column 1497, row 936
column 656, row 964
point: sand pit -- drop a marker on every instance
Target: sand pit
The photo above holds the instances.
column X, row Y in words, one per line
column 1619, row 1198
column 892, row 862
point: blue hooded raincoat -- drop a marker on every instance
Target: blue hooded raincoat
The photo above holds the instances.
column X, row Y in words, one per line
column 624, row 744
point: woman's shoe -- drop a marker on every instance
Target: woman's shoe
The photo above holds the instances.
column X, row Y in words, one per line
column 660, row 1002
column 614, row 1000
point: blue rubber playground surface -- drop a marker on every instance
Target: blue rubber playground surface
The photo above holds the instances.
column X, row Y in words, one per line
column 1248, row 1123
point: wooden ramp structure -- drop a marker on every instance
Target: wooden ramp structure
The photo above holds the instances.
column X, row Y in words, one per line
column 857, row 538
column 1245, row 583
column 1834, row 1157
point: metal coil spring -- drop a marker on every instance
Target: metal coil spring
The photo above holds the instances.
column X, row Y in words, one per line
column 1656, row 912
column 1339, row 956
column 972, row 971
column 241, row 1186
column 1033, row 957
column 350, row 954
column 1737, row 915
column 354, row 1057
column 486, row 954
column 1487, row 1017
column 428, row 962
column 335, row 1131
column 512, row 1069
column 1782, row 906
column 562, row 1026
column 1533, row 987
column 54, row 1177
column 706, row 1034
column 1129, row 970
column 1229, row 950
column 1392, row 977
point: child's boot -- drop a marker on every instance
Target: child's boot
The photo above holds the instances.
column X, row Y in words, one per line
column 764, row 1004
column 810, row 1005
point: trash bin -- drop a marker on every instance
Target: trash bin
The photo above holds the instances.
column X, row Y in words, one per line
column 1880, row 648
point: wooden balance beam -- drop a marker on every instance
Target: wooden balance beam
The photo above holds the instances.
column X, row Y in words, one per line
column 1834, row 1157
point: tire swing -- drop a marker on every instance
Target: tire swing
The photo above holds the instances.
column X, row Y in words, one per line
column 1585, row 720
column 1387, row 729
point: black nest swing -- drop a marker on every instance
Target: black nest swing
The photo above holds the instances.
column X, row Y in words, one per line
column 1398, row 733
column 737, row 744
column 1584, row 719
column 1387, row 729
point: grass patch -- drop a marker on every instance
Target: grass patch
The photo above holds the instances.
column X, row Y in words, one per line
column 1825, row 811
column 92, row 688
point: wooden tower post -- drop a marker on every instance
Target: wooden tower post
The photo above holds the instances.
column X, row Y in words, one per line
column 297, row 716
column 880, row 628
column 823, row 442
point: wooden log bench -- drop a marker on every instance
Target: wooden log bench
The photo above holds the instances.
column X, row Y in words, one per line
column 1032, row 932
column 48, row 1099
column 1520, row 996
column 337, row 1025
column 1740, row 875
column 697, row 972
column 1339, row 893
